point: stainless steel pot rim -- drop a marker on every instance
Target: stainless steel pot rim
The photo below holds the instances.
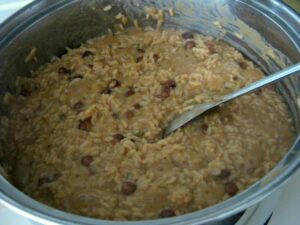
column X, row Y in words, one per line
column 38, row 211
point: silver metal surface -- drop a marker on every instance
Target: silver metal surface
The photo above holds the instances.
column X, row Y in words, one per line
column 51, row 25
column 201, row 108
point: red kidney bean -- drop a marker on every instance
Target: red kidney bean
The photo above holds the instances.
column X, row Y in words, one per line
column 231, row 188
column 139, row 59
column 129, row 114
column 169, row 84
column 190, row 44
column 78, row 107
column 243, row 65
column 106, row 91
column 63, row 70
column 224, row 173
column 87, row 54
column 211, row 47
column 167, row 213
column 128, row 188
column 235, row 78
column 187, row 35
column 115, row 115
column 258, row 92
column 76, row 77
column 118, row 137
column 204, row 128
column 129, row 93
column 85, row 124
column 137, row 106
column 87, row 160
column 155, row 58
column 140, row 50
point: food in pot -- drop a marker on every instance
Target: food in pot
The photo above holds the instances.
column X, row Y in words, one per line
column 84, row 131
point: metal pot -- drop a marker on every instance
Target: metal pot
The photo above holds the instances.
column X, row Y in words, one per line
column 266, row 31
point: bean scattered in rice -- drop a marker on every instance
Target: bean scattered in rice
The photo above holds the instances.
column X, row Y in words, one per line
column 88, row 126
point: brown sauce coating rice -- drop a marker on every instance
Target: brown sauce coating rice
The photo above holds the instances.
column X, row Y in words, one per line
column 88, row 137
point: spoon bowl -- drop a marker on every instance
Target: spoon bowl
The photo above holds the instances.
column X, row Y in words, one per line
column 200, row 108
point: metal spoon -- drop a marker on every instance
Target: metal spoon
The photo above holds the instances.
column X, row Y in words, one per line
column 199, row 109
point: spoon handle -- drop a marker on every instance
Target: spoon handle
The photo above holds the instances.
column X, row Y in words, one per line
column 200, row 108
column 262, row 82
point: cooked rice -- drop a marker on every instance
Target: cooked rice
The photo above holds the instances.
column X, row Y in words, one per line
column 84, row 130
